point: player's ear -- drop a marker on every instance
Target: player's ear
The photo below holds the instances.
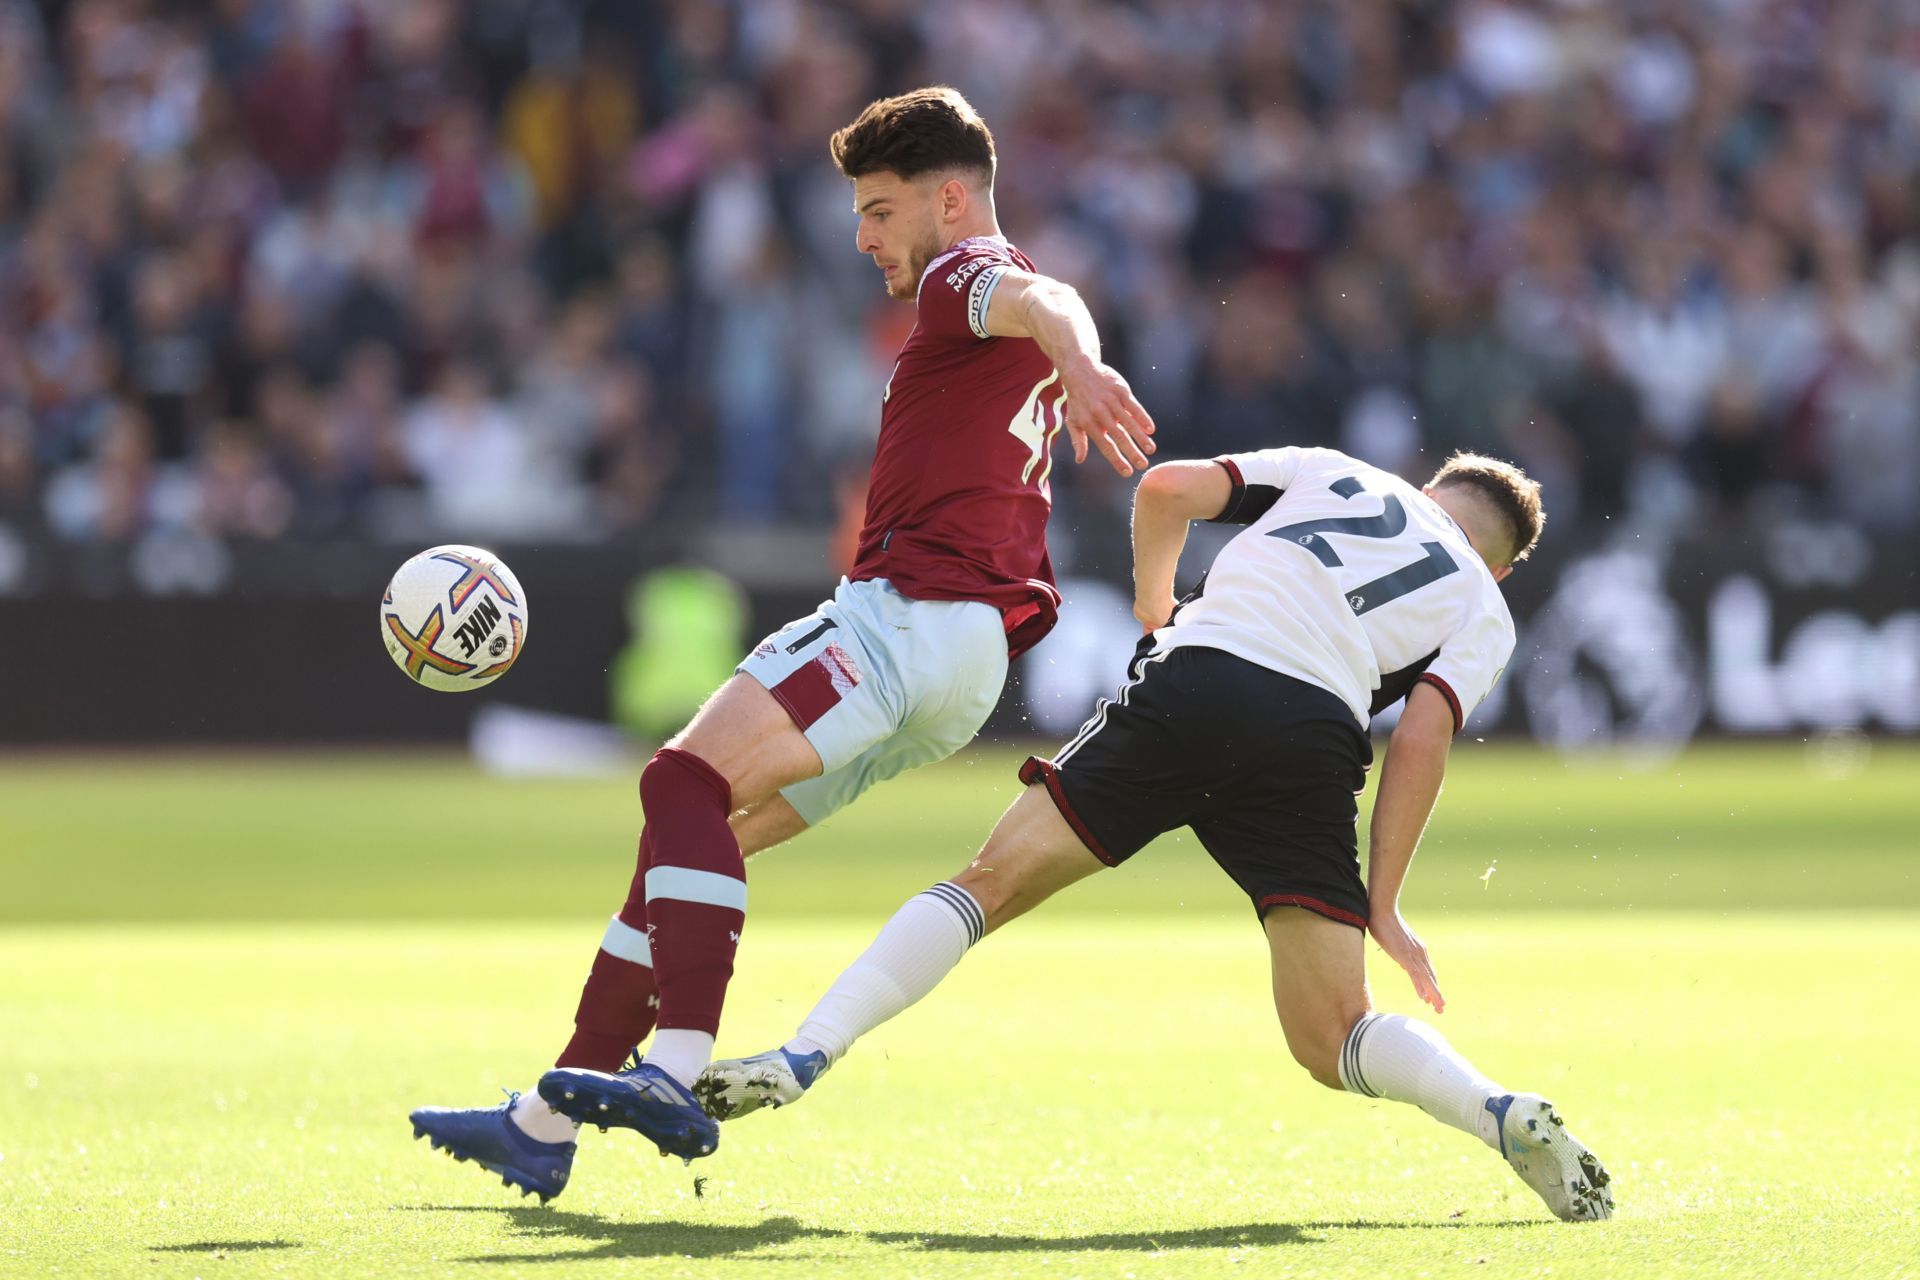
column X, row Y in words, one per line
column 1500, row 573
column 953, row 200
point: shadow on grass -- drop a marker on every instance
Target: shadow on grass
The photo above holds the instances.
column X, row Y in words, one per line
column 223, row 1246
column 1243, row 1236
column 633, row 1239
column 1451, row 1224
column 1246, row 1235
column 611, row 1239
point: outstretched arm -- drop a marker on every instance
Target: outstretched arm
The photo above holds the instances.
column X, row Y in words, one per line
column 1100, row 405
column 1409, row 785
column 1169, row 498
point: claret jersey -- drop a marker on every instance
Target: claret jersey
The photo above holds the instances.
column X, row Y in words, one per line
column 1347, row 577
column 958, row 500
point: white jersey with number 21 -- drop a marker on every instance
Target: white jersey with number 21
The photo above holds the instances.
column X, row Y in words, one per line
column 1349, row 578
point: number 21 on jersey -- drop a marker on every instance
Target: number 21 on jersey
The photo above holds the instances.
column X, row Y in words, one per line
column 1436, row 564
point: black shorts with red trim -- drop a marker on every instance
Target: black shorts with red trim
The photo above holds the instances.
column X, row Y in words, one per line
column 1264, row 768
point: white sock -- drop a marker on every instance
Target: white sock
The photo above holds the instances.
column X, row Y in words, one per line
column 918, row 947
column 532, row 1116
column 680, row 1053
column 1393, row 1056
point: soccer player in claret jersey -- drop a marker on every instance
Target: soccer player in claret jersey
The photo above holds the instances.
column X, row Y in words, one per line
column 1245, row 719
column 899, row 669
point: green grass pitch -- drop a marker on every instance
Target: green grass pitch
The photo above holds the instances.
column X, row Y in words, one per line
column 224, row 982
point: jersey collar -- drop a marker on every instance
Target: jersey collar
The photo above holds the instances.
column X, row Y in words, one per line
column 953, row 250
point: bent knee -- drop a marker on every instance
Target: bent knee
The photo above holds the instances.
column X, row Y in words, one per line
column 997, row 891
column 1006, row 884
column 1318, row 1048
column 673, row 771
column 1321, row 1060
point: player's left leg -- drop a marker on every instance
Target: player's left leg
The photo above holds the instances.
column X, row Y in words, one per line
column 806, row 701
column 873, row 684
column 772, row 822
column 620, row 998
column 668, row 952
column 1128, row 776
column 1032, row 854
column 739, row 751
column 691, row 898
column 1320, row 993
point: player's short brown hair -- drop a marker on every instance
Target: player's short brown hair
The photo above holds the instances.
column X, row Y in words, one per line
column 916, row 133
column 1506, row 490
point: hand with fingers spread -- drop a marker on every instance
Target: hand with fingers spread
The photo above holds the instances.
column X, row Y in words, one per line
column 1403, row 946
column 1101, row 408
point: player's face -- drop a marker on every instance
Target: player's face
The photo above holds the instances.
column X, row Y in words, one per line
column 899, row 228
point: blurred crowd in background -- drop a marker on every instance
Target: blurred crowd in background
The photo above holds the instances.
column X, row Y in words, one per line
column 567, row 269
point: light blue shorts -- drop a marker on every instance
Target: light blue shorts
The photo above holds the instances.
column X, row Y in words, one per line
column 881, row 684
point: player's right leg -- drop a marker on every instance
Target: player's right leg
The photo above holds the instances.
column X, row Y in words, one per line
column 1320, row 993
column 1032, row 854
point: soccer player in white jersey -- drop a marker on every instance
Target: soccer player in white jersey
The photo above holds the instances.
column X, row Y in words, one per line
column 1245, row 719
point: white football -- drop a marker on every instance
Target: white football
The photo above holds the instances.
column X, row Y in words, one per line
column 454, row 618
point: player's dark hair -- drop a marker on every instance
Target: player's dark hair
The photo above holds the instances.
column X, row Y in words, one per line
column 1506, row 490
column 916, row 133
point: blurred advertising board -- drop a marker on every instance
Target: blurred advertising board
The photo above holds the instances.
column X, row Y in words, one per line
column 1798, row 630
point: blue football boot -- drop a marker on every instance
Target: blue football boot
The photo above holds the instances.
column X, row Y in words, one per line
column 732, row 1087
column 643, row 1098
column 489, row 1137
